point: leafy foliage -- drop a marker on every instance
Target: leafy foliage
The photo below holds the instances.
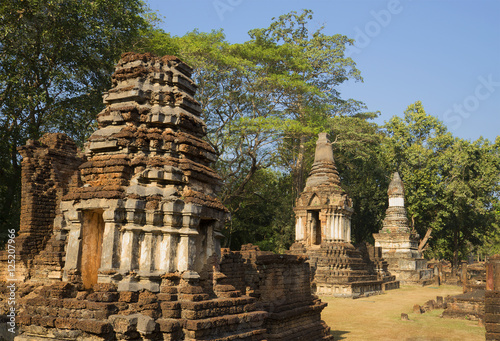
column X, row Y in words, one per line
column 264, row 102
column 56, row 57
column 263, row 214
column 451, row 184
column 470, row 188
column 413, row 147
column 363, row 174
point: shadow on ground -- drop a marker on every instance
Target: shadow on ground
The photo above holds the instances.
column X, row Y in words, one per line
column 338, row 334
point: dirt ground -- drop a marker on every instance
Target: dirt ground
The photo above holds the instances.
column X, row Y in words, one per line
column 379, row 317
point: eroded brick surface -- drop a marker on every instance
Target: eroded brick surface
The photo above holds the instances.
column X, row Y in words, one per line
column 47, row 168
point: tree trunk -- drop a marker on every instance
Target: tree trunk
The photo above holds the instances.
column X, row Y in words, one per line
column 298, row 172
column 254, row 168
column 455, row 253
column 426, row 238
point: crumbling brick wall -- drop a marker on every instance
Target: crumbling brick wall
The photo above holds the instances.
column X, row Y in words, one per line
column 281, row 284
column 492, row 299
column 278, row 305
column 47, row 166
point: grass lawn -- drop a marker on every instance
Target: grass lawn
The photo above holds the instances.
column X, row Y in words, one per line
column 379, row 317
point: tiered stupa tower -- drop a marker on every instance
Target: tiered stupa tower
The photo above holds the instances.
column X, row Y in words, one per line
column 144, row 202
column 398, row 242
column 396, row 219
column 323, row 232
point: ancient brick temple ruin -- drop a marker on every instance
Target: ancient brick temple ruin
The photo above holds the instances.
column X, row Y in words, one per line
column 492, row 299
column 470, row 304
column 323, row 232
column 123, row 242
column 398, row 242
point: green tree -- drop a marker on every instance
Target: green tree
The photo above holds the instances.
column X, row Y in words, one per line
column 490, row 241
column 301, row 70
column 264, row 101
column 451, row 185
column 56, row 58
column 263, row 214
column 364, row 175
column 414, row 147
column 470, row 174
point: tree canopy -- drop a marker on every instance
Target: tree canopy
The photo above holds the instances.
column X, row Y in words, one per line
column 56, row 58
column 264, row 102
column 452, row 185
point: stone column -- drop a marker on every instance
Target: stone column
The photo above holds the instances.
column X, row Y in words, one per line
column 335, row 231
column 348, row 229
column 492, row 299
column 74, row 219
column 127, row 251
column 310, row 229
column 298, row 229
column 493, row 273
column 183, row 254
column 74, row 249
column 210, row 241
column 110, row 236
column 165, row 255
column 339, row 226
column 145, row 259
column 342, row 227
column 300, row 226
column 329, row 226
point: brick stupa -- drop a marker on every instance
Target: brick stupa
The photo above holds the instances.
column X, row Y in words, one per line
column 398, row 242
column 146, row 192
column 323, row 232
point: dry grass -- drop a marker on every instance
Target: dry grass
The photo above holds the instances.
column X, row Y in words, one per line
column 379, row 317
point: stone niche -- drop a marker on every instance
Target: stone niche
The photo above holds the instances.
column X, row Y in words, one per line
column 144, row 202
column 323, row 232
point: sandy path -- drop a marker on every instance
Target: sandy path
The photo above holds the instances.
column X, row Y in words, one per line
column 379, row 317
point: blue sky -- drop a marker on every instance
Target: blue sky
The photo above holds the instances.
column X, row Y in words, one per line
column 443, row 53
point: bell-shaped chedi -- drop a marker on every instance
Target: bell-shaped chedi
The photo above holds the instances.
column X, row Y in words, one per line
column 398, row 242
column 323, row 232
column 144, row 204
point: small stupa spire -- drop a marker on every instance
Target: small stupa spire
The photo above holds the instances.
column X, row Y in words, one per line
column 323, row 171
column 396, row 219
column 396, row 191
column 324, row 150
